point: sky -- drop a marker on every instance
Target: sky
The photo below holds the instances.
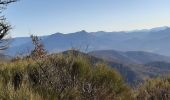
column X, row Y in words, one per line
column 44, row 17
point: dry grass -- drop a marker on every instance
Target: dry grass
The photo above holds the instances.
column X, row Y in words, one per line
column 60, row 77
column 68, row 77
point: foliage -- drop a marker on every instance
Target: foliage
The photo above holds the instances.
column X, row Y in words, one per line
column 61, row 77
column 39, row 51
column 72, row 77
column 157, row 89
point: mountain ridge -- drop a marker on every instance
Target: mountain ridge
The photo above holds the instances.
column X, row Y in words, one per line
column 129, row 57
column 149, row 41
column 133, row 74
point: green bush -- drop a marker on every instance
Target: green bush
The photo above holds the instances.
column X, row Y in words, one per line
column 69, row 77
column 61, row 77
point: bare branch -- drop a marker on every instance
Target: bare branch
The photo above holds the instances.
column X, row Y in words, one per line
column 4, row 26
column 5, row 2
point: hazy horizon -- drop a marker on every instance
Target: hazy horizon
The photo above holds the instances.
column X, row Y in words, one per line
column 48, row 17
column 28, row 34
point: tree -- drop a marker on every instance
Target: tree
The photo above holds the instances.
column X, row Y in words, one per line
column 39, row 51
column 4, row 26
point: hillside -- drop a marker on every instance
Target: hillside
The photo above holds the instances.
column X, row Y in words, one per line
column 161, row 65
column 133, row 74
column 73, row 75
column 129, row 57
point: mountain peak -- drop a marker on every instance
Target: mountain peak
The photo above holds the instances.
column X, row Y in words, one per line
column 57, row 34
column 82, row 31
column 159, row 28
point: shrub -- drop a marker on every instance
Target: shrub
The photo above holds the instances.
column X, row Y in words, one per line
column 7, row 92
column 61, row 77
column 157, row 89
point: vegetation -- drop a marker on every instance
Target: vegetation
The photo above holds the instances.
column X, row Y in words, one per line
column 70, row 76
column 158, row 89
column 61, row 77
column 67, row 77
column 4, row 26
column 39, row 51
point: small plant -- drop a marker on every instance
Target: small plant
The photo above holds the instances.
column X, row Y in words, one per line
column 39, row 51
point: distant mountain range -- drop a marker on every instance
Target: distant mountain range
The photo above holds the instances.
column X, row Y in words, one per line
column 135, row 66
column 137, row 55
column 155, row 40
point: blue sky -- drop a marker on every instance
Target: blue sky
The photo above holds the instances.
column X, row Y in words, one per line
column 43, row 17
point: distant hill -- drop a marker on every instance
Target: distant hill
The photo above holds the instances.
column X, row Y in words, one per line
column 160, row 65
column 133, row 73
column 129, row 75
column 129, row 57
column 155, row 40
